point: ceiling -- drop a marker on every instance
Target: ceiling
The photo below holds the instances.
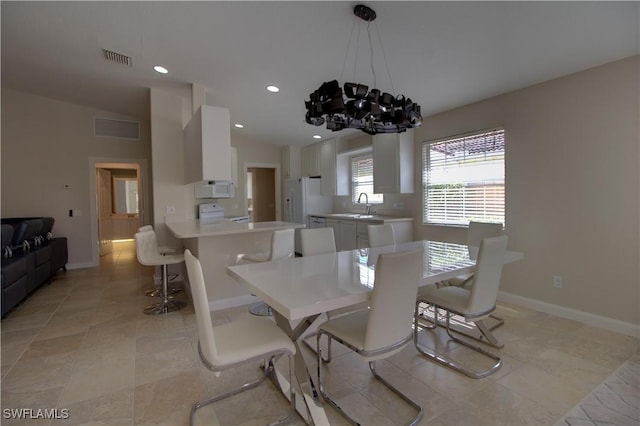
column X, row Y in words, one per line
column 441, row 54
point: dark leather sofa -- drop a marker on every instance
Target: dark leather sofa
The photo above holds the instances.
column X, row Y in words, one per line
column 31, row 256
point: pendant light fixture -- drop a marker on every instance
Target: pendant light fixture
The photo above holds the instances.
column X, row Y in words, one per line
column 356, row 106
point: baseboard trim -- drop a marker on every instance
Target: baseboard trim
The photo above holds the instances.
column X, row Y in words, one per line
column 607, row 323
column 81, row 265
column 232, row 302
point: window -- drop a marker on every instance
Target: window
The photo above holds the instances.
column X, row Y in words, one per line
column 463, row 179
column 362, row 179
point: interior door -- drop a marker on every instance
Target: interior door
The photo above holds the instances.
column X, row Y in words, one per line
column 103, row 185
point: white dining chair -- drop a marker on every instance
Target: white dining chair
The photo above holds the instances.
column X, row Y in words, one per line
column 317, row 241
column 235, row 343
column 148, row 254
column 381, row 235
column 476, row 232
column 384, row 329
column 473, row 304
column 282, row 247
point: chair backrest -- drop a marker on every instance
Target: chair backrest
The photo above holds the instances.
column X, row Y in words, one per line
column 480, row 230
column 393, row 298
column 477, row 232
column 381, row 235
column 201, row 306
column 146, row 247
column 317, row 241
column 282, row 244
column 486, row 278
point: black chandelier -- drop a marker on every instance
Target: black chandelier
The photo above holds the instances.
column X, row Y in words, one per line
column 355, row 106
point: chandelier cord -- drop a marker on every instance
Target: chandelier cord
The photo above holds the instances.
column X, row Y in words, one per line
column 373, row 70
column 346, row 55
column 386, row 63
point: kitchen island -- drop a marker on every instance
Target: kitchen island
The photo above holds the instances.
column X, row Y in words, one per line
column 218, row 244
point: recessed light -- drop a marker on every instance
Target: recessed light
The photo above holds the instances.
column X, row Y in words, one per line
column 161, row 69
column 273, row 89
column 238, row 125
column 317, row 137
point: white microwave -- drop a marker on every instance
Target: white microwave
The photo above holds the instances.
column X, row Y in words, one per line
column 215, row 189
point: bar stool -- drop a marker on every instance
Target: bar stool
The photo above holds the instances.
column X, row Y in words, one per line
column 149, row 255
column 282, row 247
column 157, row 292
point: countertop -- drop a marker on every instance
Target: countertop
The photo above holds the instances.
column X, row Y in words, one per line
column 195, row 229
column 362, row 217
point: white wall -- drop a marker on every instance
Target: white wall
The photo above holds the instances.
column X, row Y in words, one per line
column 47, row 144
column 572, row 187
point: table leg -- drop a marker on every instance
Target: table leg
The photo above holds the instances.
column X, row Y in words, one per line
column 307, row 403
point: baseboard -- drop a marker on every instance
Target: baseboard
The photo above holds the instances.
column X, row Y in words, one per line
column 232, row 302
column 607, row 323
column 81, row 265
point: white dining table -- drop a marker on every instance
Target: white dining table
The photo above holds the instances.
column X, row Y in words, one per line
column 300, row 289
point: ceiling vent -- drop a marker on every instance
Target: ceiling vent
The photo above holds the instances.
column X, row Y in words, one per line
column 118, row 58
column 109, row 128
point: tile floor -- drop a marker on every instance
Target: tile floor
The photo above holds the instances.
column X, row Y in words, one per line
column 82, row 344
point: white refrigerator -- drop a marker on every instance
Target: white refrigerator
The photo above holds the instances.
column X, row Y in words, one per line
column 302, row 197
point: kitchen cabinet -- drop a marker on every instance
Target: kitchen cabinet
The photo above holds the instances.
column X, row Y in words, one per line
column 290, row 157
column 234, row 165
column 348, row 235
column 335, row 169
column 362, row 235
column 207, row 145
column 328, row 167
column 393, row 163
column 311, row 160
column 344, row 233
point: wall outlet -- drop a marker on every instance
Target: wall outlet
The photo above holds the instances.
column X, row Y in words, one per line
column 171, row 210
column 557, row 281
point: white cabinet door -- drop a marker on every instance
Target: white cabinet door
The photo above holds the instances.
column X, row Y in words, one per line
column 310, row 156
column 348, row 235
column 234, row 166
column 328, row 164
column 337, row 232
column 393, row 163
column 207, row 143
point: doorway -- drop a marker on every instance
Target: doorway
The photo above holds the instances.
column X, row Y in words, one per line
column 120, row 203
column 262, row 191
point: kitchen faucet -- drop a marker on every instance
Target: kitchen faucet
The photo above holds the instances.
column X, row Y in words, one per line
column 366, row 197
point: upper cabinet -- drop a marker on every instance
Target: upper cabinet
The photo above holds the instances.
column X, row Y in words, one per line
column 393, row 163
column 311, row 160
column 335, row 168
column 328, row 166
column 207, row 145
column 290, row 162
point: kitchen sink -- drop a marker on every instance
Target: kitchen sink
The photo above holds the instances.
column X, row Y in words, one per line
column 353, row 215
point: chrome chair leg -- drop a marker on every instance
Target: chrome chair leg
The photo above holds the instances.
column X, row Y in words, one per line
column 250, row 385
column 450, row 363
column 486, row 335
column 314, row 349
column 322, row 394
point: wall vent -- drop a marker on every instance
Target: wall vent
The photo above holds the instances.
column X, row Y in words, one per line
column 118, row 58
column 110, row 128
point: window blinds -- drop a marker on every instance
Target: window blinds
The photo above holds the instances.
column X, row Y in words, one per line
column 463, row 179
column 362, row 179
